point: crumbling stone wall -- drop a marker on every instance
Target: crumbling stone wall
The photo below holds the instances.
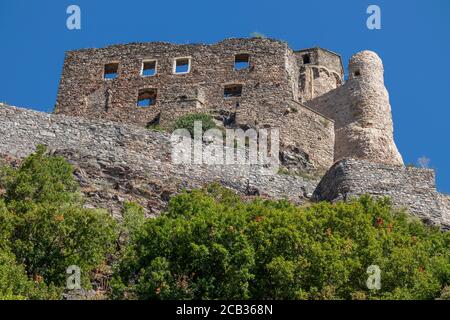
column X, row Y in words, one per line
column 411, row 188
column 314, row 138
column 320, row 71
column 212, row 67
column 118, row 162
column 445, row 200
column 362, row 113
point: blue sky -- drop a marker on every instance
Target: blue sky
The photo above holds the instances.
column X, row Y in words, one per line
column 414, row 44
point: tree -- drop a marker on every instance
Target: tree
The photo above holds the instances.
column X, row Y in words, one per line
column 211, row 245
column 44, row 224
column 15, row 284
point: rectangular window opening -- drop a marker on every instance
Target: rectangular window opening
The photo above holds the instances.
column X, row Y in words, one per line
column 146, row 97
column 232, row 90
column 306, row 59
column 182, row 65
column 241, row 61
column 111, row 71
column 148, row 68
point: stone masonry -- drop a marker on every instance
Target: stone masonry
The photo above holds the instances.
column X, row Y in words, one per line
column 408, row 187
column 118, row 162
column 362, row 113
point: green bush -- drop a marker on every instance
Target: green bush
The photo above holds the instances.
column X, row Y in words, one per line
column 187, row 122
column 156, row 128
column 133, row 218
column 49, row 239
column 15, row 284
column 211, row 245
column 44, row 225
column 40, row 179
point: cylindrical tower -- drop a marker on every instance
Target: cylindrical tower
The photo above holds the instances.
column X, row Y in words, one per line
column 365, row 131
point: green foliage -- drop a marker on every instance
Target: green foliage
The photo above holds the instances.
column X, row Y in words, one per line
column 40, row 179
column 156, row 128
column 187, row 122
column 211, row 245
column 44, row 225
column 258, row 35
column 49, row 239
column 15, row 284
column 133, row 218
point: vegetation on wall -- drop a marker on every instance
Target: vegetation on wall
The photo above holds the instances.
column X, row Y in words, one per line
column 187, row 122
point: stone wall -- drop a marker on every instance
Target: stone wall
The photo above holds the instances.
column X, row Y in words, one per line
column 117, row 162
column 410, row 188
column 445, row 201
column 84, row 92
column 314, row 137
column 321, row 73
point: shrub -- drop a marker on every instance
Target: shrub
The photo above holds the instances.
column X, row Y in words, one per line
column 15, row 284
column 156, row 128
column 40, row 179
column 211, row 245
column 44, row 224
column 49, row 239
column 187, row 122
column 133, row 218
column 259, row 35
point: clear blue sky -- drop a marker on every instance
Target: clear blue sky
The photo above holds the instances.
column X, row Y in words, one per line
column 414, row 43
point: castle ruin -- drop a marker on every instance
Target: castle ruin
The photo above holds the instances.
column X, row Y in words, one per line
column 108, row 96
column 246, row 83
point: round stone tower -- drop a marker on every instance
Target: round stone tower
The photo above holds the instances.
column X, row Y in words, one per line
column 365, row 130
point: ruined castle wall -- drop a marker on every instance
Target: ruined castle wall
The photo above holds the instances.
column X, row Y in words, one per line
column 117, row 162
column 362, row 113
column 269, row 86
column 321, row 74
column 293, row 73
column 84, row 92
column 410, row 188
column 332, row 61
column 314, row 137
